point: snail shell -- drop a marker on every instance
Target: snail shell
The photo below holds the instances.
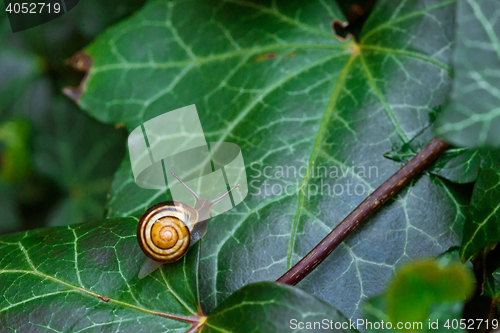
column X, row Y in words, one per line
column 164, row 230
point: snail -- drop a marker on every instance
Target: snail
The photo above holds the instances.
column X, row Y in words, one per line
column 167, row 230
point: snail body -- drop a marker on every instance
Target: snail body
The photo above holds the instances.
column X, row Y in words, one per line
column 167, row 230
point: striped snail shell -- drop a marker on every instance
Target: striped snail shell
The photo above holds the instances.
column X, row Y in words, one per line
column 164, row 230
column 167, row 230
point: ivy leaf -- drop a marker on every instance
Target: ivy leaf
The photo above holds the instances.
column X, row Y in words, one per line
column 482, row 226
column 275, row 80
column 459, row 165
column 84, row 277
column 92, row 17
column 472, row 117
column 421, row 293
column 374, row 312
column 425, row 283
column 272, row 307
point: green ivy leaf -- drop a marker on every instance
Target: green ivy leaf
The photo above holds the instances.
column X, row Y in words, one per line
column 422, row 292
column 459, row 165
column 482, row 226
column 274, row 79
column 84, row 278
column 374, row 313
column 423, row 284
column 272, row 307
column 473, row 117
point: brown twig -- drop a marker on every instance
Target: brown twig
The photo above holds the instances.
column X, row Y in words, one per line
column 397, row 181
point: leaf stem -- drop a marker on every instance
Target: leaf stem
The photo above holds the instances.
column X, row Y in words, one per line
column 391, row 186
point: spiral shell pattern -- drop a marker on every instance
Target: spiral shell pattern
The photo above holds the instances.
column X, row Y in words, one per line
column 164, row 230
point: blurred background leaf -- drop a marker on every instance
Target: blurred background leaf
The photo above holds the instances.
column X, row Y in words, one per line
column 56, row 162
column 491, row 273
column 427, row 289
column 16, row 158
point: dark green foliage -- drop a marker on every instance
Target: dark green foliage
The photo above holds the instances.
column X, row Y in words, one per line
column 272, row 77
